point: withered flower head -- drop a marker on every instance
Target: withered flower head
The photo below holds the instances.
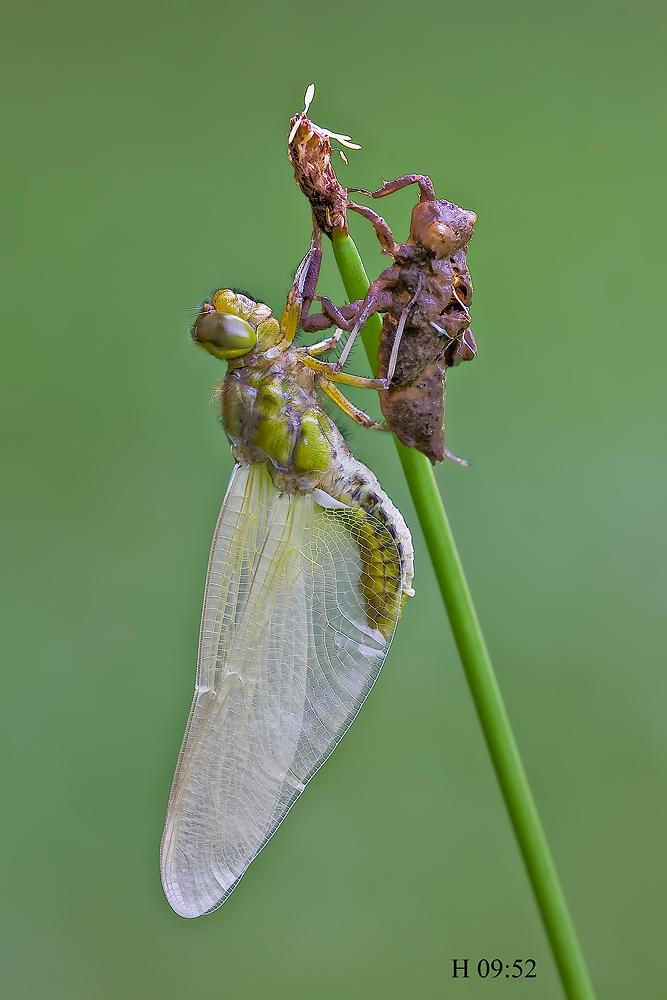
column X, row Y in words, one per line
column 309, row 151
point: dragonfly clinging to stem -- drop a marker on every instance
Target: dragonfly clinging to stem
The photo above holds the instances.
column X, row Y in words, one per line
column 310, row 566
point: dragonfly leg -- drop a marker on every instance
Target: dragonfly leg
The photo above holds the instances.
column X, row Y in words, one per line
column 426, row 189
column 323, row 346
column 381, row 227
column 359, row 416
column 342, row 316
column 302, row 292
column 333, row 374
column 331, row 315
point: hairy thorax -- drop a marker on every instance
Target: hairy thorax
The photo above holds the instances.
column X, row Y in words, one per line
column 272, row 415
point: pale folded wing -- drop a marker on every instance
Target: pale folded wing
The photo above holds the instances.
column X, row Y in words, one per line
column 286, row 659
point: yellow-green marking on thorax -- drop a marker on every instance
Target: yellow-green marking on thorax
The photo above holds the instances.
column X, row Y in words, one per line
column 271, row 432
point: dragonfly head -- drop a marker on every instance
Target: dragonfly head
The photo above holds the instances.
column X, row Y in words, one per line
column 231, row 324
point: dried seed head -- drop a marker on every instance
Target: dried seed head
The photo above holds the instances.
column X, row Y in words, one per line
column 309, row 151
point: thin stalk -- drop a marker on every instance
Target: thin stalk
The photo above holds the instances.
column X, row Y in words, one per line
column 479, row 673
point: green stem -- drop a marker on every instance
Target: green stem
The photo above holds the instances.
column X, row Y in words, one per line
column 479, row 672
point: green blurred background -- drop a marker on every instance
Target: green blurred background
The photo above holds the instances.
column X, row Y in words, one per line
column 144, row 165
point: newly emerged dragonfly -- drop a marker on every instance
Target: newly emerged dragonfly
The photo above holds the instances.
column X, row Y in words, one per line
column 310, row 567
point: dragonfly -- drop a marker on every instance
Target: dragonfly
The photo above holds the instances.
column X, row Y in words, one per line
column 310, row 567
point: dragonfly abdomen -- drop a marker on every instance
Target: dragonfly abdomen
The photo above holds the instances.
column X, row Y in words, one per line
column 388, row 562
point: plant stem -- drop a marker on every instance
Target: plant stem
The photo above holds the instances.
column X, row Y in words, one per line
column 479, row 672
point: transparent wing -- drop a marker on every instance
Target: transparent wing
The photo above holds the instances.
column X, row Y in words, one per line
column 289, row 650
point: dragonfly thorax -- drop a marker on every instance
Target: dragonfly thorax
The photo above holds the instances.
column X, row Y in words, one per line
column 271, row 417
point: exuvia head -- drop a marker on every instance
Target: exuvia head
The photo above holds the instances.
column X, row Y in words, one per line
column 441, row 227
column 231, row 324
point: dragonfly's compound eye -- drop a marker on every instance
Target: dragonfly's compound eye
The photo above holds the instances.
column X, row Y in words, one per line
column 223, row 335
